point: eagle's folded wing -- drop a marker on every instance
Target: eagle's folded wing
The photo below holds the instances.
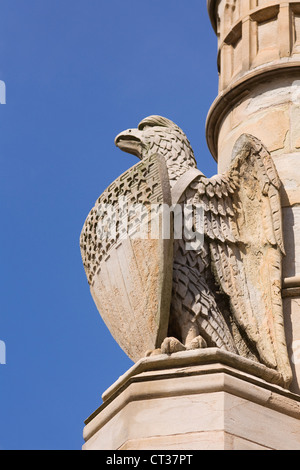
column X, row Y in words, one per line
column 242, row 222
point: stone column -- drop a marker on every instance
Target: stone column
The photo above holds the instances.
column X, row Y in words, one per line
column 259, row 94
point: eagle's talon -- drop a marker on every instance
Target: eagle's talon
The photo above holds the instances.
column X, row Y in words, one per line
column 153, row 352
column 172, row 345
column 197, row 343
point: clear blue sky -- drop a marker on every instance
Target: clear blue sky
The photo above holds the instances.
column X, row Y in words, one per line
column 78, row 72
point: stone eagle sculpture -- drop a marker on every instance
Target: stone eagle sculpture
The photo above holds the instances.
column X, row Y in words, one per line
column 227, row 292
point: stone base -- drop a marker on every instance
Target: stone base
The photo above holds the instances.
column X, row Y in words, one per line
column 197, row 400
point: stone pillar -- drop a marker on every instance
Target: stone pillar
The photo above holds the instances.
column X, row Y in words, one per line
column 259, row 94
column 199, row 400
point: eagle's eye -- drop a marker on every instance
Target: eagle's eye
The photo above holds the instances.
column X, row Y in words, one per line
column 143, row 127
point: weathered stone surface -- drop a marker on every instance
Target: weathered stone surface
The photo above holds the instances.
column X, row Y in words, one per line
column 219, row 404
column 253, row 34
column 264, row 109
column 291, row 262
column 291, row 303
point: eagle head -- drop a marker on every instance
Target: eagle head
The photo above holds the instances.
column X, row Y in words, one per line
column 156, row 134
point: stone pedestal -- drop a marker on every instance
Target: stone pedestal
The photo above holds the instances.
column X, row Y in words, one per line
column 198, row 400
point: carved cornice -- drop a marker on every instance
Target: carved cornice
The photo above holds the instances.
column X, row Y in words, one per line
column 226, row 100
column 211, row 6
column 291, row 287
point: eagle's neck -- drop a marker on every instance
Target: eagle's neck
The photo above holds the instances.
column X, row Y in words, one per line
column 178, row 155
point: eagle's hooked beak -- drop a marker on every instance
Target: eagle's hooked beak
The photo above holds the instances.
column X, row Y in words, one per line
column 130, row 141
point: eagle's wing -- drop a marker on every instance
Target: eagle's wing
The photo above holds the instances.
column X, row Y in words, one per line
column 242, row 221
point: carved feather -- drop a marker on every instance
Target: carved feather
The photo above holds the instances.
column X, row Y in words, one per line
column 246, row 248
